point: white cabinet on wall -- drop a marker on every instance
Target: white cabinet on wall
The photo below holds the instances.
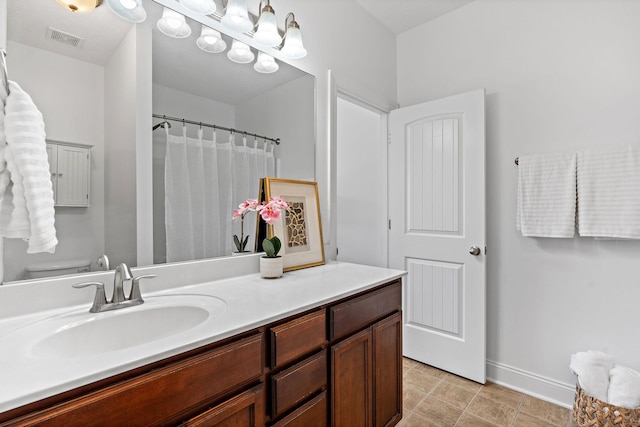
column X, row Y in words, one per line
column 69, row 165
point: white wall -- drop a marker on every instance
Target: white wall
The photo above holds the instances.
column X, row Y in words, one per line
column 290, row 117
column 361, row 55
column 559, row 75
column 70, row 96
column 120, row 154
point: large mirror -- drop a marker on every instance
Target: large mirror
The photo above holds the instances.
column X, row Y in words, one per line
column 83, row 73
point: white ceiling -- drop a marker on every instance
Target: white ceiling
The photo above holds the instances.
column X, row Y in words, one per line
column 402, row 15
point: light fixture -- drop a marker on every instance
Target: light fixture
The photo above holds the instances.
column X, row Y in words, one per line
column 173, row 24
column 79, row 5
column 267, row 28
column 130, row 10
column 240, row 53
column 293, row 47
column 210, row 40
column 265, row 64
column 202, row 7
column 236, row 17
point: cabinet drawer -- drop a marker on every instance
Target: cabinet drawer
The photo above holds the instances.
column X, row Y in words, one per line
column 311, row 414
column 355, row 314
column 245, row 409
column 159, row 396
column 297, row 338
column 295, row 384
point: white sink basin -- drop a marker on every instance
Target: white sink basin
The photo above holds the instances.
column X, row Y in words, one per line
column 83, row 334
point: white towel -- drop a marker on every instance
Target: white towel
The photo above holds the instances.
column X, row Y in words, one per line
column 624, row 387
column 26, row 209
column 547, row 195
column 609, row 194
column 592, row 369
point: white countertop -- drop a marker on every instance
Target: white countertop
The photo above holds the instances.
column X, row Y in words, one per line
column 250, row 302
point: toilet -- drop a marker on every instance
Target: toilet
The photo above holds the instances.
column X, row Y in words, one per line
column 58, row 268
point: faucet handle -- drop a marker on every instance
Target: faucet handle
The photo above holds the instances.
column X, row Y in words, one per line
column 99, row 300
column 135, row 286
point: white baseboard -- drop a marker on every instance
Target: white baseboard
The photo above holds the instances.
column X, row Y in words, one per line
column 535, row 385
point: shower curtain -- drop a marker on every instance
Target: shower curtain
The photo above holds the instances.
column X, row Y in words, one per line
column 204, row 181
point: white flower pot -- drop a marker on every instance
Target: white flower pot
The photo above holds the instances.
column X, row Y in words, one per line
column 271, row 268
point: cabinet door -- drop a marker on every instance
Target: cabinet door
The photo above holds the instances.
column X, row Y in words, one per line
column 351, row 385
column 387, row 371
column 52, row 155
column 244, row 410
column 311, row 414
column 73, row 176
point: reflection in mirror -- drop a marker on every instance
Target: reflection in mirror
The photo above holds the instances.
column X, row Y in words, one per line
column 74, row 91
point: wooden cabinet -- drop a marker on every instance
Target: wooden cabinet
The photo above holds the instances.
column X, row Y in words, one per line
column 244, row 410
column 163, row 396
column 69, row 165
column 339, row 364
column 366, row 367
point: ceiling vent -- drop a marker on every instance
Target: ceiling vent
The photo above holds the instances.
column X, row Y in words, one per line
column 65, row 38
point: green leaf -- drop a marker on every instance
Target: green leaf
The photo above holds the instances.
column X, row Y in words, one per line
column 236, row 241
column 244, row 244
column 276, row 245
column 269, row 248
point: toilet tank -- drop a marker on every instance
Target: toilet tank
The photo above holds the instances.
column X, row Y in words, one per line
column 57, row 268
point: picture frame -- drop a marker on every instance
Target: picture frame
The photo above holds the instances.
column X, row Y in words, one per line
column 300, row 229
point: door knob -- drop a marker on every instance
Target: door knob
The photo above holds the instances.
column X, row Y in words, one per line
column 474, row 250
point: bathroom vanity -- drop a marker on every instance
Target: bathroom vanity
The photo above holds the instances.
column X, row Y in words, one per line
column 321, row 346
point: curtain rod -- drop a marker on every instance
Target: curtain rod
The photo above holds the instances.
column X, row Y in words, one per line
column 183, row 121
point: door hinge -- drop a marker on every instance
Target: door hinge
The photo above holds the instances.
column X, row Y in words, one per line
column 336, row 251
column 389, row 225
column 388, row 138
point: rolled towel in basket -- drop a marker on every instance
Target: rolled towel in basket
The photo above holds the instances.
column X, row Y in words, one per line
column 592, row 369
column 624, row 387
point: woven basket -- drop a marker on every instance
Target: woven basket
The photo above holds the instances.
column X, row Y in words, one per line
column 589, row 411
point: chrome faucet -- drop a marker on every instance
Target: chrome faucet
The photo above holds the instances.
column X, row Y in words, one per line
column 118, row 300
column 122, row 273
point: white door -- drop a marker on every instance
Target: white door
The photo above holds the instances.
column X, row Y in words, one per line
column 437, row 230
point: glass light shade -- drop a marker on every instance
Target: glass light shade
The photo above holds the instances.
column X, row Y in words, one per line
column 79, row 5
column 236, row 16
column 265, row 64
column 173, row 24
column 267, row 32
column 293, row 47
column 129, row 10
column 203, row 7
column 210, row 40
column 240, row 53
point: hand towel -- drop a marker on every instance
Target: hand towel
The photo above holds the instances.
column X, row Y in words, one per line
column 624, row 387
column 547, row 195
column 592, row 369
column 609, row 194
column 27, row 209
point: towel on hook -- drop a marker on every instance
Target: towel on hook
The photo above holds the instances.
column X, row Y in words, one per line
column 592, row 369
column 547, row 195
column 609, row 194
column 26, row 209
column 624, row 387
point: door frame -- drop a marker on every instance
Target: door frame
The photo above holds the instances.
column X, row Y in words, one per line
column 335, row 90
column 381, row 144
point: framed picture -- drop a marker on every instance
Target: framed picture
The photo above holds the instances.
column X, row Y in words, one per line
column 300, row 229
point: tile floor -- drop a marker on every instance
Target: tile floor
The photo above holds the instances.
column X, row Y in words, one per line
column 436, row 398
